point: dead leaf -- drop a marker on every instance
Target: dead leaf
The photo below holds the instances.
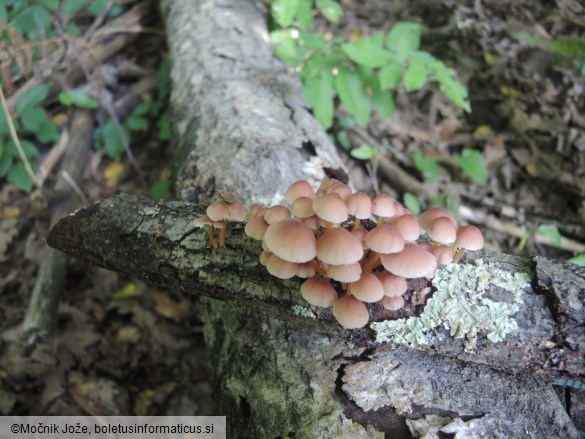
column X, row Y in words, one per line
column 113, row 174
column 98, row 396
column 167, row 307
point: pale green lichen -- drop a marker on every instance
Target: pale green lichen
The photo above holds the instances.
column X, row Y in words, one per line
column 459, row 306
column 302, row 311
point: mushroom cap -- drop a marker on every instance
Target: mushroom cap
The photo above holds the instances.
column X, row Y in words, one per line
column 442, row 230
column 393, row 285
column 305, row 270
column 384, row 205
column 264, row 257
column 384, row 238
column 360, row 234
column 412, row 262
column 339, row 247
column 256, row 210
column 469, row 237
column 204, row 221
column 319, row 292
column 331, row 207
column 302, row 207
column 292, row 240
column 428, row 216
column 392, row 303
column 281, row 268
column 407, row 225
column 221, row 210
column 333, row 185
column 345, row 273
column 300, row 188
column 350, row 312
column 276, row 213
column 443, row 254
column 256, row 228
column 359, row 205
column 368, row 288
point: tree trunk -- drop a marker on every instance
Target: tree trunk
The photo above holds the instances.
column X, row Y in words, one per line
column 290, row 371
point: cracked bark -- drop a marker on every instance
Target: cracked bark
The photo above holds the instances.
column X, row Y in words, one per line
column 241, row 125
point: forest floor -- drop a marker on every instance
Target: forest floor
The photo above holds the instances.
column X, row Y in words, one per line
column 124, row 347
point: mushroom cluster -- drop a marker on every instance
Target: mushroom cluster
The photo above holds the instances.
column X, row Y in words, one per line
column 321, row 236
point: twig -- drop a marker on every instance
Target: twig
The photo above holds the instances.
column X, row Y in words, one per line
column 75, row 187
column 16, row 140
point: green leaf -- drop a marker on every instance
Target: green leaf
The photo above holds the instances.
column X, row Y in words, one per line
column 97, row 7
column 367, row 52
column 331, row 10
column 51, row 4
column 111, row 139
column 453, row 89
column 353, row 95
column 3, row 13
column 382, row 99
column 320, row 93
column 41, row 17
column 343, row 139
column 579, row 259
column 473, row 164
column 568, row 46
column 284, row 11
column 312, row 40
column 32, row 97
column 285, row 46
column 415, row 76
column 317, row 63
column 305, row 14
column 551, row 232
column 20, row 178
column 159, row 189
column 30, row 151
column 3, row 123
column 164, row 127
column 136, row 123
column 71, row 7
column 78, row 98
column 5, row 165
column 364, row 152
column 427, row 166
column 346, row 122
column 24, row 20
column 32, row 118
column 142, row 109
column 48, row 132
column 390, row 76
column 73, row 29
column 404, row 38
column 411, row 203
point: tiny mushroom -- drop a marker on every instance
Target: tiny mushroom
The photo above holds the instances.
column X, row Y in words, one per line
column 359, row 205
column 351, row 313
column 226, row 211
column 392, row 303
column 204, row 221
column 468, row 238
column 300, row 188
column 368, row 288
column 412, row 262
column 291, row 240
column 331, row 208
column 442, row 231
column 319, row 292
column 339, row 247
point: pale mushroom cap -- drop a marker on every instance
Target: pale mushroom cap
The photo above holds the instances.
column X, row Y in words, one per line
column 350, row 312
column 470, row 238
column 333, row 185
column 217, row 211
column 359, row 205
column 368, row 288
column 302, row 207
column 339, row 247
column 204, row 221
column 345, row 273
column 412, row 262
column 384, row 205
column 428, row 216
column 443, row 254
column 330, row 207
column 256, row 228
column 384, row 238
column 292, row 240
column 300, row 188
column 407, row 225
column 319, row 292
column 360, row 234
column 305, row 270
column 256, row 210
column 392, row 303
column 280, row 268
column 264, row 257
column 442, row 230
column 276, row 213
column 393, row 285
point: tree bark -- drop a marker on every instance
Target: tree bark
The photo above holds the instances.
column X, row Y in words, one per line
column 243, row 127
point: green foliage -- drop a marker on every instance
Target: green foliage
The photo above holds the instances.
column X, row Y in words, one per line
column 364, row 152
column 427, row 166
column 159, row 189
column 473, row 164
column 411, row 203
column 551, row 232
column 579, row 259
column 363, row 74
column 77, row 98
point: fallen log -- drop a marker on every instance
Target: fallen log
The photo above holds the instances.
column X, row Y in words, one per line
column 242, row 126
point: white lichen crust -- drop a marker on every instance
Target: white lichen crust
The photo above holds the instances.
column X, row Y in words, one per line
column 459, row 306
column 303, row 311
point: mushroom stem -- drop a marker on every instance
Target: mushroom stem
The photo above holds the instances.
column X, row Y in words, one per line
column 371, row 262
column 380, row 220
column 212, row 240
column 356, row 224
column 458, row 255
column 329, row 225
column 222, row 233
column 319, row 269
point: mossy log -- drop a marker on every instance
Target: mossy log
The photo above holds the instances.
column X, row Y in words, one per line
column 241, row 126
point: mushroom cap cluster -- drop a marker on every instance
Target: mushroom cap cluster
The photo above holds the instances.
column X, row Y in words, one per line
column 321, row 237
